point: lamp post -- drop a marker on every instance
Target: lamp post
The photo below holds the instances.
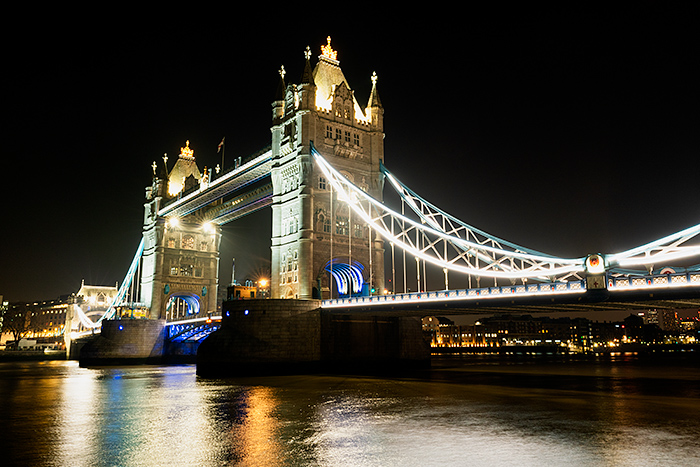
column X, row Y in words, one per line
column 262, row 286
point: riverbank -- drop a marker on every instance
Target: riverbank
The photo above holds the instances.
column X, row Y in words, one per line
column 640, row 349
column 31, row 355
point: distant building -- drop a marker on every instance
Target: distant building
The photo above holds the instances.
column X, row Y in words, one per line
column 667, row 320
column 241, row 292
column 443, row 331
column 48, row 319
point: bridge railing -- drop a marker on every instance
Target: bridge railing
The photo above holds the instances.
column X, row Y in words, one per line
column 550, row 288
column 689, row 279
column 657, row 281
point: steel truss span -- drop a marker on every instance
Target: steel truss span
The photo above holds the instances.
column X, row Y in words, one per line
column 443, row 240
column 128, row 285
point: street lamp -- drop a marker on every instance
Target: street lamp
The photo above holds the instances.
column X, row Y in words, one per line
column 262, row 285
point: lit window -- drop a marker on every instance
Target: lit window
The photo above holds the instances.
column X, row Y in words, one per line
column 358, row 231
column 341, row 225
column 188, row 242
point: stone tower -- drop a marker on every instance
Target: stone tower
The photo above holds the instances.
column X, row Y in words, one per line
column 180, row 262
column 313, row 233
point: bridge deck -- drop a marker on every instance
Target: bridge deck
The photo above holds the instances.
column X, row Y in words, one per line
column 663, row 291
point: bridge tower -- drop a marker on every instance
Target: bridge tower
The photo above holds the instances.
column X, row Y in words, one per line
column 314, row 234
column 180, row 261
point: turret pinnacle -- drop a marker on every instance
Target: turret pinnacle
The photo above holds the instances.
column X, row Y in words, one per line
column 307, row 77
column 374, row 100
column 282, row 87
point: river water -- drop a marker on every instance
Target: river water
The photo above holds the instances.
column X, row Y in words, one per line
column 470, row 411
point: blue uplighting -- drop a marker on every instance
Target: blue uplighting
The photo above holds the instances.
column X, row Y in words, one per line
column 348, row 277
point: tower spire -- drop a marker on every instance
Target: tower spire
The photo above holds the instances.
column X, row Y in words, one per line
column 282, row 87
column 307, row 76
column 375, row 110
column 374, row 100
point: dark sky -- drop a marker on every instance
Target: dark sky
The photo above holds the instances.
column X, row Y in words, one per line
column 569, row 131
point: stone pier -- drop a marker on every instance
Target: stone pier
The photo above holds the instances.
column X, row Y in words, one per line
column 125, row 342
column 297, row 336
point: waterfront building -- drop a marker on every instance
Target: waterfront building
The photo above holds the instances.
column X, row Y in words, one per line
column 443, row 331
column 48, row 320
column 3, row 308
column 242, row 292
column 667, row 320
column 578, row 335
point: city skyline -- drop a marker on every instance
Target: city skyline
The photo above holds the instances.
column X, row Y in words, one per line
column 572, row 136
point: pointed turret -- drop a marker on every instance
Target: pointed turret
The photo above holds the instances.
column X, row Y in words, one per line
column 278, row 104
column 307, row 76
column 375, row 110
column 307, row 86
column 282, row 86
column 374, row 100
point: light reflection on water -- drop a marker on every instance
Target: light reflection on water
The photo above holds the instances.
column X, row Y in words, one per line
column 56, row 413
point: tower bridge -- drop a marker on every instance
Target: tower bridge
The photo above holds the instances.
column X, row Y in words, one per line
column 323, row 176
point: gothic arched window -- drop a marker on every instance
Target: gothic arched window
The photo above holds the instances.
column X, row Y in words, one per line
column 188, row 242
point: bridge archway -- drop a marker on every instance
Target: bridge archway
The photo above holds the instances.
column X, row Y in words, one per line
column 182, row 306
column 347, row 276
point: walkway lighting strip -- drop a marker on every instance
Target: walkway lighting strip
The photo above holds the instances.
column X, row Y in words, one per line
column 662, row 281
column 467, row 247
column 486, row 293
column 193, row 320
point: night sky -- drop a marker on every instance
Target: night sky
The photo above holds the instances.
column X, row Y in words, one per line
column 567, row 131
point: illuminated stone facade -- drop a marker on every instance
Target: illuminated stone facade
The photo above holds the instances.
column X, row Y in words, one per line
column 309, row 228
column 180, row 262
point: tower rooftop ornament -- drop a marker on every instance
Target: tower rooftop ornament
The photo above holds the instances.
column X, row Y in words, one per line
column 186, row 152
column 328, row 52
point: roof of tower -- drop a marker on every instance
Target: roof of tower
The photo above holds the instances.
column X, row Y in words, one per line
column 184, row 167
column 327, row 76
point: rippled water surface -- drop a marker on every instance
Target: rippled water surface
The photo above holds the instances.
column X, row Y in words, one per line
column 466, row 411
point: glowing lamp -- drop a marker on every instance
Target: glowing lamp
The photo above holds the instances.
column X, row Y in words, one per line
column 595, row 264
column 209, row 228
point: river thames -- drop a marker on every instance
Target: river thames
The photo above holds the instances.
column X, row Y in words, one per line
column 466, row 411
